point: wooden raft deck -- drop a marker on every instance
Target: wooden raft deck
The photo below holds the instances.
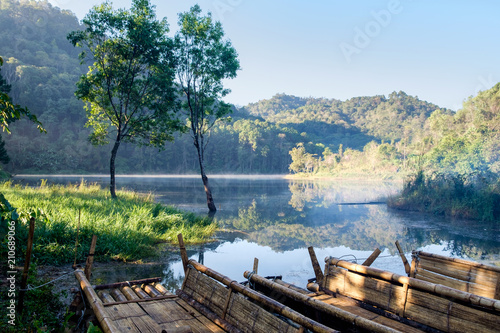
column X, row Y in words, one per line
column 207, row 302
column 142, row 307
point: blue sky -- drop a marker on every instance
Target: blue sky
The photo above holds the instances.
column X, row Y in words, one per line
column 441, row 51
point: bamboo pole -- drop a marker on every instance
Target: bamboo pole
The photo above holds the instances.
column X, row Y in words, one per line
column 264, row 300
column 318, row 305
column 315, row 264
column 129, row 293
column 76, row 242
column 436, row 289
column 162, row 289
column 151, row 290
column 139, row 292
column 405, row 262
column 107, row 324
column 117, row 295
column 141, row 300
column 184, row 255
column 90, row 258
column 372, row 257
column 24, row 278
column 255, row 265
column 126, row 283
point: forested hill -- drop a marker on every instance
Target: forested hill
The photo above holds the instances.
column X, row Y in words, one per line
column 383, row 118
column 42, row 68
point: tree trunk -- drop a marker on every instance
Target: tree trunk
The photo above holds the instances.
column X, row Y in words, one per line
column 208, row 191
column 112, row 183
column 204, row 178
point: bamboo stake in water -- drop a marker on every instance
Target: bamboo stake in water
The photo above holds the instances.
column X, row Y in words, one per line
column 372, row 257
column 315, row 264
column 405, row 262
column 184, row 255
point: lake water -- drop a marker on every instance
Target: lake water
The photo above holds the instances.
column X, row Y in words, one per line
column 276, row 219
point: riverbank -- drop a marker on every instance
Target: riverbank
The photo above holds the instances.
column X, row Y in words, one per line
column 129, row 228
column 474, row 198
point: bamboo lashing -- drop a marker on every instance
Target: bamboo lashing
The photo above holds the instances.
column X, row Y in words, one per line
column 264, row 300
column 418, row 284
column 343, row 315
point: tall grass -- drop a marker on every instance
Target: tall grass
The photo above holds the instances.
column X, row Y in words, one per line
column 128, row 228
column 474, row 197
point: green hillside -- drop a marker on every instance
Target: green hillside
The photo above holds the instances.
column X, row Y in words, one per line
column 42, row 68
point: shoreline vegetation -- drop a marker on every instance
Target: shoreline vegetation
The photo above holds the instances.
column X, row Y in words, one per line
column 128, row 228
column 470, row 197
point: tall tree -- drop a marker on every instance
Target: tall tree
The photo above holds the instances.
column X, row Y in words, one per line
column 203, row 59
column 128, row 89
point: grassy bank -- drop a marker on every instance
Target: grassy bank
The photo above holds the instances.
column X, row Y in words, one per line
column 469, row 197
column 127, row 228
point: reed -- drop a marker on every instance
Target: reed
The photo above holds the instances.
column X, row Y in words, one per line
column 128, row 228
column 472, row 196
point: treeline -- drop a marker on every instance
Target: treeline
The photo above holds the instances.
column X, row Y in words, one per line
column 460, row 165
column 285, row 133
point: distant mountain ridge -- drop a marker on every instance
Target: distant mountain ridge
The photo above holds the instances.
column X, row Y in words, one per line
column 384, row 118
column 43, row 67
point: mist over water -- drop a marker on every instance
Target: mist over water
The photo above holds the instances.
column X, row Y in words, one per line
column 276, row 219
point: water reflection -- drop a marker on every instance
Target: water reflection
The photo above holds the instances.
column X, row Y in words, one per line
column 276, row 219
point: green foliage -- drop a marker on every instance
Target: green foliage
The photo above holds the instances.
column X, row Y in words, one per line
column 127, row 228
column 10, row 112
column 128, row 90
column 42, row 308
column 203, row 60
column 129, row 85
column 464, row 196
column 462, row 164
column 408, row 134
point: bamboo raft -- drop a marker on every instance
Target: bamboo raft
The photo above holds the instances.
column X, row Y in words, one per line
column 207, row 302
column 418, row 304
column 345, row 297
column 464, row 275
